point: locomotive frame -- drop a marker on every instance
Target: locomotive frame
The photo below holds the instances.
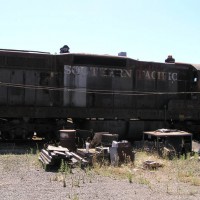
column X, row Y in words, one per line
column 40, row 91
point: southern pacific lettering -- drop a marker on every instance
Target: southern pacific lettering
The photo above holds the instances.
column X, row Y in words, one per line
column 159, row 75
column 97, row 71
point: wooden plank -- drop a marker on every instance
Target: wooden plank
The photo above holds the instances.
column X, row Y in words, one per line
column 68, row 154
column 59, row 148
column 46, row 153
column 53, row 154
column 79, row 158
column 43, row 160
column 45, row 157
column 59, row 153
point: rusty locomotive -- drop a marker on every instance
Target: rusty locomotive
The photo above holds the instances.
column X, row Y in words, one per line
column 39, row 91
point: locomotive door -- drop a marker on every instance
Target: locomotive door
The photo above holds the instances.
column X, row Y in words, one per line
column 16, row 91
column 79, row 94
column 43, row 97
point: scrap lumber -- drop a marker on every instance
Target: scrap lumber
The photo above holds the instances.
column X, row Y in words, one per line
column 53, row 155
column 59, row 148
column 151, row 164
column 79, row 158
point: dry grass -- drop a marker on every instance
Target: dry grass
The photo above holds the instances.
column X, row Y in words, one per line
column 181, row 170
column 187, row 171
column 173, row 171
column 174, row 175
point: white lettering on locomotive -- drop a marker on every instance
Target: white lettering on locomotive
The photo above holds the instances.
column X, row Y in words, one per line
column 122, row 73
column 160, row 75
column 97, row 71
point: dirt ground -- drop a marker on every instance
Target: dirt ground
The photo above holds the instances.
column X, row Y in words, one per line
column 22, row 177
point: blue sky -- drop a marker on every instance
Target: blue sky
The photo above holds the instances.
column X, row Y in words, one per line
column 145, row 29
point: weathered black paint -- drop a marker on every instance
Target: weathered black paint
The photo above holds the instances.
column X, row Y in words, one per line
column 38, row 85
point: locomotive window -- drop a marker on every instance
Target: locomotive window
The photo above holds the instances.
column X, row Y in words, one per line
column 92, row 60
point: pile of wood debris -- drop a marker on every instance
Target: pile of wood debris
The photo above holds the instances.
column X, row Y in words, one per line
column 117, row 154
column 52, row 156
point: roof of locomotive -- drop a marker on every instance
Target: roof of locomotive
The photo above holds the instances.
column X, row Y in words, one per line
column 94, row 55
column 23, row 51
column 126, row 57
column 197, row 66
column 16, row 51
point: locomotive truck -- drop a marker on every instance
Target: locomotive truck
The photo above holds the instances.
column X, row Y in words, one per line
column 40, row 92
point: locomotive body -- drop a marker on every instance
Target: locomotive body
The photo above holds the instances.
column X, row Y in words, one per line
column 40, row 91
column 123, row 95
